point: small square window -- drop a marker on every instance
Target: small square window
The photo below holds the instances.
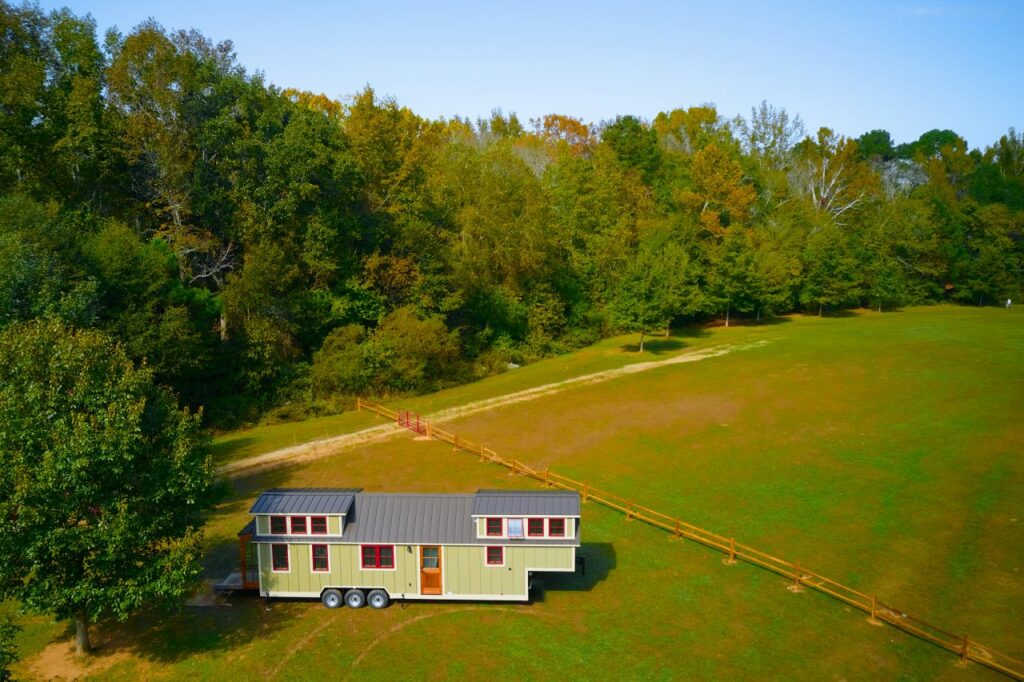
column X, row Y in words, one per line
column 278, row 525
column 318, row 525
column 495, row 556
column 556, row 527
column 298, row 525
column 494, row 527
column 387, row 557
column 279, row 557
column 535, row 528
column 320, row 560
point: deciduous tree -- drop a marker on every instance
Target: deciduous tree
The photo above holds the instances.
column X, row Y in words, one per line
column 102, row 479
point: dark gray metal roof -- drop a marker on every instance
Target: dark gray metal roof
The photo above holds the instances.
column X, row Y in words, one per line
column 305, row 501
column 408, row 518
column 526, row 503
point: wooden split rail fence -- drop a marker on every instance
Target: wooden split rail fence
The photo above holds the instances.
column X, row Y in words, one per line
column 879, row 612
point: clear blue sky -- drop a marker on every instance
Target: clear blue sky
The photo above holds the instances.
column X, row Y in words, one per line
column 853, row 65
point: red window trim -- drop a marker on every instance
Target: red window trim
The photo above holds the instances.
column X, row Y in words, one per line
column 305, row 523
column 376, row 557
column 501, row 526
column 554, row 534
column 312, row 559
column 287, row 559
column 529, row 531
column 496, row 563
column 317, row 532
column 283, row 518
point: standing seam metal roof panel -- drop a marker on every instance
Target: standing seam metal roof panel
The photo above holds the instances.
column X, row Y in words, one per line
column 526, row 503
column 304, row 501
column 416, row 518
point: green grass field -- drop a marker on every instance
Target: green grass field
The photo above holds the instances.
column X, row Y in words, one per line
column 882, row 450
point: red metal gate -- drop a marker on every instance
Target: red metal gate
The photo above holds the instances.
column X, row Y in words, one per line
column 412, row 421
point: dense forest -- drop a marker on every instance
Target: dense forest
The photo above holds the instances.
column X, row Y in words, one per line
column 267, row 250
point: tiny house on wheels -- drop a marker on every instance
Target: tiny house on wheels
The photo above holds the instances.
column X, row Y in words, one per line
column 352, row 547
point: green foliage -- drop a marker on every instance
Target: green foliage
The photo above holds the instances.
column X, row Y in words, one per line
column 652, row 289
column 876, row 145
column 103, row 478
column 8, row 652
column 338, row 366
column 223, row 230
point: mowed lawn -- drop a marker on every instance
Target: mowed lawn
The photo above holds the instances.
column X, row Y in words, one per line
column 882, row 450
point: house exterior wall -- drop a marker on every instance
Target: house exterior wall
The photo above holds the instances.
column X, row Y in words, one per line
column 465, row 572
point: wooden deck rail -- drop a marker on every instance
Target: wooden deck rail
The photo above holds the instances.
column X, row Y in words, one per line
column 879, row 612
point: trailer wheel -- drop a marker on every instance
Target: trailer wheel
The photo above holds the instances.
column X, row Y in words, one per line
column 331, row 599
column 378, row 599
column 355, row 599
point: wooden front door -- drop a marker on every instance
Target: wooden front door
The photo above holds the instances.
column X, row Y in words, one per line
column 430, row 570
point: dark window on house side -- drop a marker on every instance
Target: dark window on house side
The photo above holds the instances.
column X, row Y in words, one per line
column 318, row 525
column 556, row 527
column 278, row 525
column 494, row 527
column 495, row 556
column 279, row 557
column 320, row 561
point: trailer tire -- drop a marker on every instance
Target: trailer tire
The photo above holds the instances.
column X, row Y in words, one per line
column 331, row 599
column 378, row 599
column 355, row 599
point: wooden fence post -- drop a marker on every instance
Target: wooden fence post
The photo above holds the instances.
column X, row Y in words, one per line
column 584, row 492
column 547, row 478
column 795, row 587
column 359, row 404
column 874, row 612
column 964, row 651
column 455, row 442
column 732, row 553
column 679, row 532
column 430, row 431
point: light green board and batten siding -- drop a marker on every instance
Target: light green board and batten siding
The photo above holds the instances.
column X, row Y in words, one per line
column 464, row 569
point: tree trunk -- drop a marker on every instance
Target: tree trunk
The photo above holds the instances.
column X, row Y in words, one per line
column 879, row 306
column 820, row 306
column 223, row 327
column 727, row 306
column 641, row 341
column 759, row 316
column 82, row 644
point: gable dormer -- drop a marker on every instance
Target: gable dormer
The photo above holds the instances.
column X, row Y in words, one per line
column 526, row 515
column 303, row 512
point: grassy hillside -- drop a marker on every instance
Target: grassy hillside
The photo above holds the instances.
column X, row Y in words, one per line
column 879, row 449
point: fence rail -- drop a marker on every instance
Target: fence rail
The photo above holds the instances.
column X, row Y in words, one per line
column 879, row 612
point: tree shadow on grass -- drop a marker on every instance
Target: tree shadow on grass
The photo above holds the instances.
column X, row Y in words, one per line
column 598, row 561
column 225, row 450
column 654, row 346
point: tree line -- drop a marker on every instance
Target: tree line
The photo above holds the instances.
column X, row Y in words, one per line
column 260, row 248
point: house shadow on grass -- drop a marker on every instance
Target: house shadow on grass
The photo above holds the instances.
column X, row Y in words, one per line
column 598, row 562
